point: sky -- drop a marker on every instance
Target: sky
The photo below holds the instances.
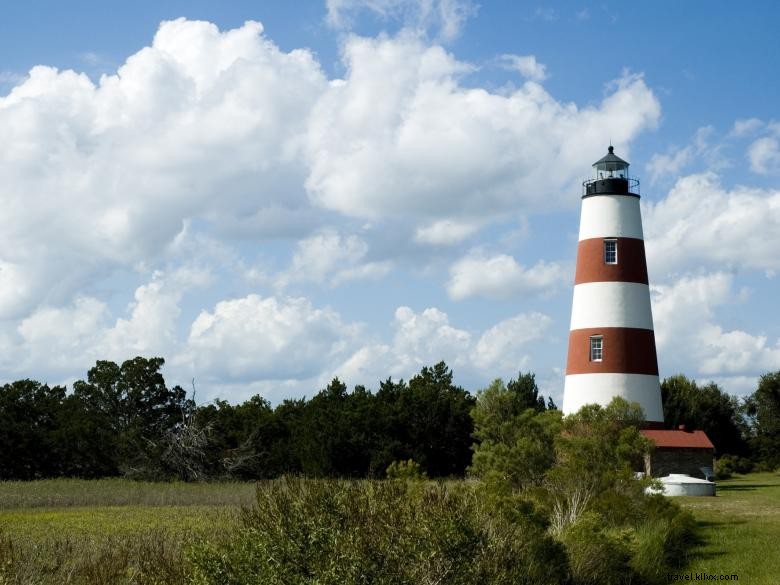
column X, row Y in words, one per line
column 271, row 194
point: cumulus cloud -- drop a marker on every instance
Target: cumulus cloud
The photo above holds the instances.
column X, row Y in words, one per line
column 267, row 338
column 224, row 128
column 501, row 277
column 202, row 123
column 74, row 336
column 444, row 17
column 526, row 65
column 701, row 223
column 206, row 140
column 329, row 257
column 445, row 232
column 764, row 155
column 687, row 333
column 400, row 136
column 505, row 345
column 426, row 337
column 702, row 148
column 746, row 126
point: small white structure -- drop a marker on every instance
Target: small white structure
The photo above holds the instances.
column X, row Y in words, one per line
column 679, row 484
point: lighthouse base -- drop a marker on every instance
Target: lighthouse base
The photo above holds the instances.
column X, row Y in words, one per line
column 582, row 389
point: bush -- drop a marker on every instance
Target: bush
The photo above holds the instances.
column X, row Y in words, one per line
column 596, row 556
column 661, row 545
column 407, row 470
column 334, row 532
column 727, row 465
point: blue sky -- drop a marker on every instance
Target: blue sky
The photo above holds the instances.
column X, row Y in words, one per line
column 269, row 194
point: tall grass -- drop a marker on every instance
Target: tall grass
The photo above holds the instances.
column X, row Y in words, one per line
column 61, row 493
column 382, row 532
column 112, row 531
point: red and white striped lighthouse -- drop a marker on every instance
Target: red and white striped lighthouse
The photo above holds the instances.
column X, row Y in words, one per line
column 611, row 340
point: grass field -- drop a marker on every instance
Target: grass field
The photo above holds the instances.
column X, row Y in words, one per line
column 122, row 532
column 741, row 529
column 110, row 531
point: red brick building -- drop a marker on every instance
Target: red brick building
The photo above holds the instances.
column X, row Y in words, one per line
column 680, row 451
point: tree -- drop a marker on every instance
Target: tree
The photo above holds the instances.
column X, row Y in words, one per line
column 597, row 452
column 134, row 404
column 29, row 421
column 514, row 435
column 707, row 408
column 525, row 393
column 435, row 421
column 763, row 409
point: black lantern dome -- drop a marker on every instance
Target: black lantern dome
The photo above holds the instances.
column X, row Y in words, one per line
column 610, row 166
column 610, row 177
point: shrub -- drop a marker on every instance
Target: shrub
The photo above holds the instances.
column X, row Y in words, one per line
column 407, row 470
column 596, row 556
column 727, row 465
column 335, row 532
column 662, row 544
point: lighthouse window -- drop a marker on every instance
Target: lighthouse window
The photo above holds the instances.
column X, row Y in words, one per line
column 596, row 348
column 610, row 251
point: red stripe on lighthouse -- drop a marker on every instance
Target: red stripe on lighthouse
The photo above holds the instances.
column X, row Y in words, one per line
column 631, row 264
column 624, row 350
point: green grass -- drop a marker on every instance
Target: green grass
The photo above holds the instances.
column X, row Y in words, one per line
column 110, row 531
column 64, row 493
column 741, row 529
column 124, row 532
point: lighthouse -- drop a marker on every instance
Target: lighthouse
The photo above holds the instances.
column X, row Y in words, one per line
column 611, row 339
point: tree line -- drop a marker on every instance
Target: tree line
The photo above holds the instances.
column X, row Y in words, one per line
column 125, row 420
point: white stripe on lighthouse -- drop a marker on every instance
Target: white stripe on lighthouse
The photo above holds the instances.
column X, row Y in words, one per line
column 611, row 304
column 582, row 389
column 611, row 216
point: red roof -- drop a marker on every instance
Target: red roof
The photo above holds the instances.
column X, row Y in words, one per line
column 680, row 439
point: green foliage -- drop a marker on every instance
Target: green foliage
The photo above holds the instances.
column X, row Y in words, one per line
column 514, row 435
column 136, row 409
column 727, row 465
column 380, row 532
column 596, row 556
column 112, row 531
column 29, row 420
column 661, row 545
column 597, row 452
column 763, row 410
column 408, row 470
column 707, row 408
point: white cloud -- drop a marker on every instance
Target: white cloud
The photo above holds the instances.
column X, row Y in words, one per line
column 737, row 385
column 256, row 338
column 419, row 339
column 224, row 129
column 669, row 165
column 702, row 148
column 688, row 337
column 701, row 223
column 445, row 17
column 504, row 346
column 745, row 126
column 400, row 136
column 445, row 232
column 105, row 175
column 764, row 155
column 501, row 277
column 332, row 258
column 427, row 337
column 526, row 65
column 70, row 338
